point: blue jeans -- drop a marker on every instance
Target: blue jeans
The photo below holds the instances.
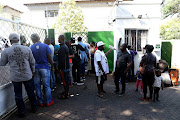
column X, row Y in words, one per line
column 70, row 73
column 44, row 75
column 18, row 95
column 52, row 79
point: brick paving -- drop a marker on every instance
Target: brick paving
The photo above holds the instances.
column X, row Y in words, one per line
column 85, row 105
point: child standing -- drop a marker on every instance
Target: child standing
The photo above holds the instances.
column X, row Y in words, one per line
column 139, row 81
column 158, row 83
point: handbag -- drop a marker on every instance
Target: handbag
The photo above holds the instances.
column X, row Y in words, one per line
column 143, row 68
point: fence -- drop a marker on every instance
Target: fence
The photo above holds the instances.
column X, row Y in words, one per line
column 25, row 31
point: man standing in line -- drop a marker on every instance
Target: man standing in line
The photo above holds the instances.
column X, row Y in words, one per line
column 123, row 65
column 63, row 66
column 42, row 55
column 101, row 67
column 52, row 76
column 84, row 58
column 55, row 59
column 22, row 68
column 76, row 68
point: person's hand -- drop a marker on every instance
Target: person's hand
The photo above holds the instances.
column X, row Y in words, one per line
column 52, row 69
column 125, row 72
column 33, row 75
column 110, row 50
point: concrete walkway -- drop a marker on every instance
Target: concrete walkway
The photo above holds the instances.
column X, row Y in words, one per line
column 85, row 105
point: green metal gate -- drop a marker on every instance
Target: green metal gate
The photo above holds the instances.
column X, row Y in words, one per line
column 166, row 52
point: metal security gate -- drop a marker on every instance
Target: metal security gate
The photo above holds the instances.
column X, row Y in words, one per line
column 84, row 36
column 25, row 31
column 166, row 52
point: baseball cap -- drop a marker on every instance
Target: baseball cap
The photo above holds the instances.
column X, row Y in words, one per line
column 100, row 43
column 13, row 36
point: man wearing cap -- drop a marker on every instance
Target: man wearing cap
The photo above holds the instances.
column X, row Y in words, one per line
column 101, row 67
column 42, row 55
column 22, row 67
column 123, row 65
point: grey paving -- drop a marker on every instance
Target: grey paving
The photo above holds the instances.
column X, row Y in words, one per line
column 85, row 105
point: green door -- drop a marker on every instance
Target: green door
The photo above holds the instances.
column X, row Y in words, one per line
column 51, row 34
column 166, row 52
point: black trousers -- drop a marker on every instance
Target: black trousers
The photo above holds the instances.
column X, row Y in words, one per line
column 76, row 69
column 18, row 95
column 148, row 81
column 120, row 74
column 156, row 93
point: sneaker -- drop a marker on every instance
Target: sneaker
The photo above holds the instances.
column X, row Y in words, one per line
column 40, row 105
column 75, row 83
column 80, row 83
column 49, row 104
column 54, row 87
column 116, row 92
column 122, row 94
column 52, row 90
column 83, row 78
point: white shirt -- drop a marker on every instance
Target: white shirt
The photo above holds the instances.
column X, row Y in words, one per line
column 52, row 50
column 100, row 56
column 157, row 82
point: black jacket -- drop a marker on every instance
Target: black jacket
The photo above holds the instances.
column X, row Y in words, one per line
column 63, row 57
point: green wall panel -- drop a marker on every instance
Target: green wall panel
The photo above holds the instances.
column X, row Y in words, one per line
column 67, row 36
column 51, row 33
column 108, row 38
column 166, row 52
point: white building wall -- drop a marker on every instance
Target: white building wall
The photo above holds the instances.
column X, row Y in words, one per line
column 96, row 15
column 127, row 17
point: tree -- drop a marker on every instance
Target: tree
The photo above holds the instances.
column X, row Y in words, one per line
column 1, row 8
column 171, row 8
column 171, row 30
column 70, row 18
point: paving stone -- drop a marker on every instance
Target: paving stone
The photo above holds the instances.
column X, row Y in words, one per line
column 84, row 104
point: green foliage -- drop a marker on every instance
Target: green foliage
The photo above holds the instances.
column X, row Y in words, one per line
column 171, row 30
column 171, row 8
column 70, row 18
column 1, row 8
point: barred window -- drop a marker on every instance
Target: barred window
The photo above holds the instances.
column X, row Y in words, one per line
column 51, row 13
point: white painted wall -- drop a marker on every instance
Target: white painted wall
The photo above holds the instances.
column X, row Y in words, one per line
column 127, row 17
column 96, row 15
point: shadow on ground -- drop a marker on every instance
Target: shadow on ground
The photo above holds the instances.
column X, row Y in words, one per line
column 85, row 105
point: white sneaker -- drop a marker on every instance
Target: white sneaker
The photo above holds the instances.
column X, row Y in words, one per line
column 80, row 83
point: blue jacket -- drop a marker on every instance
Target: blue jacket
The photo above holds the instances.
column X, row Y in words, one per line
column 84, row 57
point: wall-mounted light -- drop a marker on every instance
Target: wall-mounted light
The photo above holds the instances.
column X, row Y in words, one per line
column 139, row 16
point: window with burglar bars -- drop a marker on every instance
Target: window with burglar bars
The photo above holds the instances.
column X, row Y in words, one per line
column 137, row 39
column 25, row 31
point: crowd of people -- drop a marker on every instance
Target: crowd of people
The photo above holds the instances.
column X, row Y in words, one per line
column 41, row 65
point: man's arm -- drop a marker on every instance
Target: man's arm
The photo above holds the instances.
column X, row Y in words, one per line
column 100, row 66
column 81, row 48
column 50, row 61
column 129, row 64
column 109, row 51
column 32, row 62
column 3, row 59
